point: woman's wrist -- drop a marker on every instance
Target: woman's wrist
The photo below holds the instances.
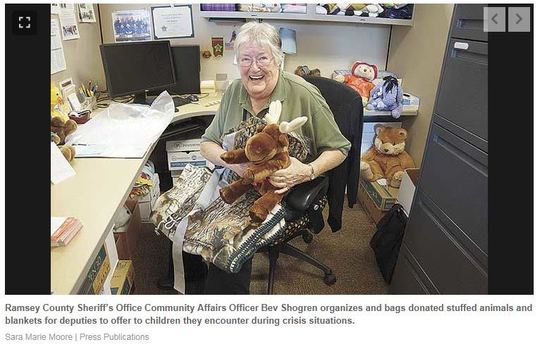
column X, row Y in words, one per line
column 312, row 174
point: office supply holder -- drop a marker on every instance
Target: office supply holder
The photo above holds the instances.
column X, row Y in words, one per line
column 89, row 103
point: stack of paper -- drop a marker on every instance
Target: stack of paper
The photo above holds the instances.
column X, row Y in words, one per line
column 63, row 229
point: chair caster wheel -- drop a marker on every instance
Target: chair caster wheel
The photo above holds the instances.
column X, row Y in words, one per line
column 307, row 236
column 329, row 279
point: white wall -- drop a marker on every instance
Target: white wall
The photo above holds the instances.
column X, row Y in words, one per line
column 323, row 45
column 416, row 54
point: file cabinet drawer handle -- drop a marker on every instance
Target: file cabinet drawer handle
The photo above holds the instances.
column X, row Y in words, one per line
column 461, row 45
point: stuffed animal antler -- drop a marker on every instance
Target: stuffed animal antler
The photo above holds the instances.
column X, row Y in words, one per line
column 268, row 152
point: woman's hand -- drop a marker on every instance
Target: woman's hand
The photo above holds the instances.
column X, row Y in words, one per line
column 294, row 174
column 240, row 169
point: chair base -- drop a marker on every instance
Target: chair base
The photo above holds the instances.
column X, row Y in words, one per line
column 273, row 255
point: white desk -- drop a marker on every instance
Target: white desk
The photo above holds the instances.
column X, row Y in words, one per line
column 94, row 195
column 199, row 108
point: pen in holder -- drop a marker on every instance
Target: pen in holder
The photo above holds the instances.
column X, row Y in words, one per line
column 89, row 103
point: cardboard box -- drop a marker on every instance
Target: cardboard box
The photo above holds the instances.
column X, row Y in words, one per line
column 112, row 253
column 188, row 145
column 369, row 206
column 382, row 196
column 126, row 242
column 123, row 278
column 409, row 99
column 97, row 274
column 175, row 174
column 407, row 188
column 181, row 153
column 179, row 160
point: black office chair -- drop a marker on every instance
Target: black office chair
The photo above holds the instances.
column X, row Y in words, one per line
column 305, row 202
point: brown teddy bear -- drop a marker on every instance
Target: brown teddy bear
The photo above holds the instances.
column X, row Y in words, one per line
column 387, row 157
column 267, row 151
column 61, row 128
column 67, row 150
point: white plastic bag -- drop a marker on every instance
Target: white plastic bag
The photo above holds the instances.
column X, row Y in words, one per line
column 124, row 127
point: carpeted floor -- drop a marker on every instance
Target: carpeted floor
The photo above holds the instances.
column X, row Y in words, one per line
column 347, row 252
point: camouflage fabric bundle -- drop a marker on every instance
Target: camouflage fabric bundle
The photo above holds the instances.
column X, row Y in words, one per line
column 221, row 233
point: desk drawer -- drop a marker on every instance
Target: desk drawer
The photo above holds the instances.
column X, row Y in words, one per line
column 455, row 177
column 463, row 90
column 448, row 264
column 468, row 22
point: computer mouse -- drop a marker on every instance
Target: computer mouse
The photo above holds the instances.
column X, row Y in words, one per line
column 193, row 98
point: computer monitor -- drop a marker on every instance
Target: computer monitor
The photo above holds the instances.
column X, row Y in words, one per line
column 137, row 67
column 187, row 66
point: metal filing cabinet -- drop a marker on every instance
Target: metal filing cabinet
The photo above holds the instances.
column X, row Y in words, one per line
column 445, row 246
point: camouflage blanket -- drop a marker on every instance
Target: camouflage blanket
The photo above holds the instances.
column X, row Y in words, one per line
column 221, row 233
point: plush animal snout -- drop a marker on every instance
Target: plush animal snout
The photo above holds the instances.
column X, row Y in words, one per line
column 387, row 148
column 260, row 147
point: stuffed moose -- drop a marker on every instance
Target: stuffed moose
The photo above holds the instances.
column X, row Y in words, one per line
column 267, row 152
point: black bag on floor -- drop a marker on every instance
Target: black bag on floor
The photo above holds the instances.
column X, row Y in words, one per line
column 387, row 240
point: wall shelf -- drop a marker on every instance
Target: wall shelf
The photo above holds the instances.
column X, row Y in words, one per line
column 310, row 15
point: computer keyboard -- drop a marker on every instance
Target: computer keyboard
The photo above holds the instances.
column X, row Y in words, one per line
column 212, row 103
column 178, row 101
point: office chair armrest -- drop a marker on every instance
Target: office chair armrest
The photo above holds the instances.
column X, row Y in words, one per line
column 302, row 196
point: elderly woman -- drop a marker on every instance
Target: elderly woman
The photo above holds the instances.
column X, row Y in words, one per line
column 258, row 51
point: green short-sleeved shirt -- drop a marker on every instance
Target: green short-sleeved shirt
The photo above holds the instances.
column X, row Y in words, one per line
column 298, row 98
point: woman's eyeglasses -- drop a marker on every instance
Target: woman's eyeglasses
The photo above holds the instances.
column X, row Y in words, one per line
column 262, row 61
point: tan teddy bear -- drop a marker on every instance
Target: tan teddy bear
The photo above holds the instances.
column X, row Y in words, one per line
column 68, row 151
column 62, row 128
column 387, row 157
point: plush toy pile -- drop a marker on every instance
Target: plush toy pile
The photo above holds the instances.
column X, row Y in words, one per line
column 360, row 79
column 59, row 131
column 67, row 151
column 397, row 11
column 62, row 128
column 344, row 8
column 303, row 70
column 267, row 152
column 386, row 10
column 387, row 96
column 58, row 107
column 387, row 157
column 61, row 125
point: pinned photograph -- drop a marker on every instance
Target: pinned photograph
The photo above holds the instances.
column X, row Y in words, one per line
column 86, row 13
column 68, row 21
column 55, row 8
column 132, row 26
